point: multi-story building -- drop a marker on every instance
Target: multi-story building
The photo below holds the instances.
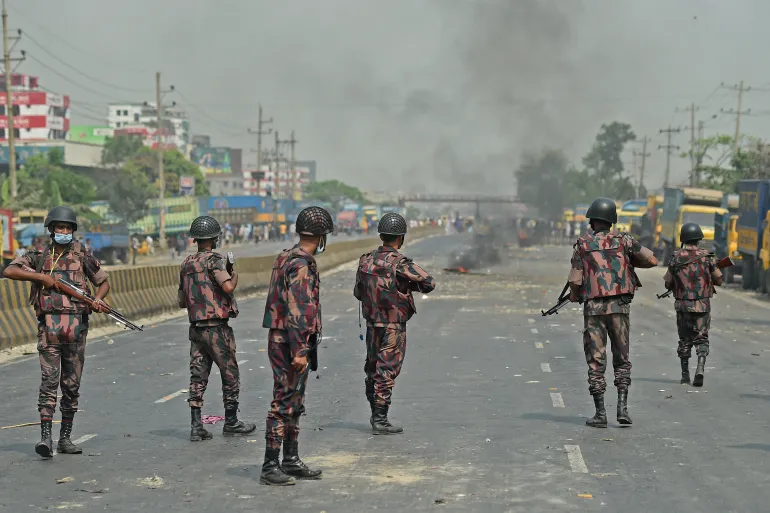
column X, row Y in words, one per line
column 39, row 115
column 141, row 119
column 280, row 183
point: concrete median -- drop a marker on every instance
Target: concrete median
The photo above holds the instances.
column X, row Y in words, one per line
column 148, row 291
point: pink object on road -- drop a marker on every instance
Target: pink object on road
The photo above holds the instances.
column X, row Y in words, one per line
column 211, row 419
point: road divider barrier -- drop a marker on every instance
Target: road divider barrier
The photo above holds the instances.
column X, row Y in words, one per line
column 149, row 291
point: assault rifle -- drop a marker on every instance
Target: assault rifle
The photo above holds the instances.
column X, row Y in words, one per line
column 69, row 288
column 560, row 303
column 725, row 262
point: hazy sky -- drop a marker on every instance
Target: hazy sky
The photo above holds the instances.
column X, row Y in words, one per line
column 433, row 95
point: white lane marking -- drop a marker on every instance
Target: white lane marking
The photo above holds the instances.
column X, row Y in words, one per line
column 77, row 441
column 352, row 308
column 538, row 345
column 83, row 439
column 531, row 321
column 576, row 459
column 545, row 367
column 534, row 330
column 171, row 396
column 557, row 400
column 333, row 318
column 241, row 362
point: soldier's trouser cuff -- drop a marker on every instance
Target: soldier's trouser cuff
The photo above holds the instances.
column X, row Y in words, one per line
column 195, row 403
column 48, row 411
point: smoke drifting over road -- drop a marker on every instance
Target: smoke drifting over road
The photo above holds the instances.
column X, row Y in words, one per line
column 439, row 95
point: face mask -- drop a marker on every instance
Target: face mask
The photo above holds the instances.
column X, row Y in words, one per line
column 62, row 238
column 321, row 246
column 216, row 244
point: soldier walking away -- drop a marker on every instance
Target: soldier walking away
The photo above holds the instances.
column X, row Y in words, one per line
column 206, row 286
column 692, row 275
column 384, row 284
column 293, row 316
column 604, row 280
column 62, row 320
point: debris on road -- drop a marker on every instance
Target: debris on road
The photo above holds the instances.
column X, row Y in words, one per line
column 63, row 480
column 211, row 419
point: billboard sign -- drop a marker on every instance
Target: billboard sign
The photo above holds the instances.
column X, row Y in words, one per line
column 24, row 152
column 90, row 134
column 187, row 185
column 212, row 160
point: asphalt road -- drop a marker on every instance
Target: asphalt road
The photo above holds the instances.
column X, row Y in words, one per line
column 239, row 250
column 493, row 398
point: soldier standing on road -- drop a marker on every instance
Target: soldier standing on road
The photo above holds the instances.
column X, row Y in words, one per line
column 293, row 316
column 384, row 284
column 63, row 321
column 603, row 278
column 692, row 275
column 206, row 285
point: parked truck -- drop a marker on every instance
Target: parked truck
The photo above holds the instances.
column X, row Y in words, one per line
column 109, row 242
column 687, row 205
column 754, row 204
column 726, row 236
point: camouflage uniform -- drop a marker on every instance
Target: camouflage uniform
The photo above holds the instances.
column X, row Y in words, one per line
column 211, row 338
column 62, row 323
column 384, row 284
column 603, row 269
column 293, row 316
column 691, row 273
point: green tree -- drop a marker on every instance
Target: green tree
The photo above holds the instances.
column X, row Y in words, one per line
column 541, row 180
column 605, row 162
column 334, row 192
column 118, row 150
column 129, row 193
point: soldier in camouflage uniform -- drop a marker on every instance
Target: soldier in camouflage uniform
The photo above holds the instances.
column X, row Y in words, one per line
column 293, row 316
column 692, row 275
column 206, row 285
column 603, row 278
column 63, row 321
column 384, row 284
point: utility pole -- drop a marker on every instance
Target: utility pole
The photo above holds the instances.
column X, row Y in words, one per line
column 693, row 176
column 7, row 60
column 277, row 186
column 292, row 142
column 644, row 156
column 259, row 133
column 741, row 89
column 161, row 174
column 668, row 147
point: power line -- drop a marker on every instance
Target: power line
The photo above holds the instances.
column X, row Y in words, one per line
column 79, row 72
column 49, row 32
column 203, row 113
column 65, row 77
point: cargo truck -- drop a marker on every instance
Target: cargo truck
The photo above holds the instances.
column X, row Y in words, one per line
column 726, row 236
column 754, row 204
column 687, row 205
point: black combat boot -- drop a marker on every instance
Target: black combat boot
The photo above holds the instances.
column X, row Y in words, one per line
column 599, row 420
column 699, row 370
column 370, row 398
column 197, row 431
column 272, row 474
column 45, row 446
column 685, row 371
column 293, row 466
column 65, row 445
column 235, row 427
column 380, row 423
column 623, row 416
